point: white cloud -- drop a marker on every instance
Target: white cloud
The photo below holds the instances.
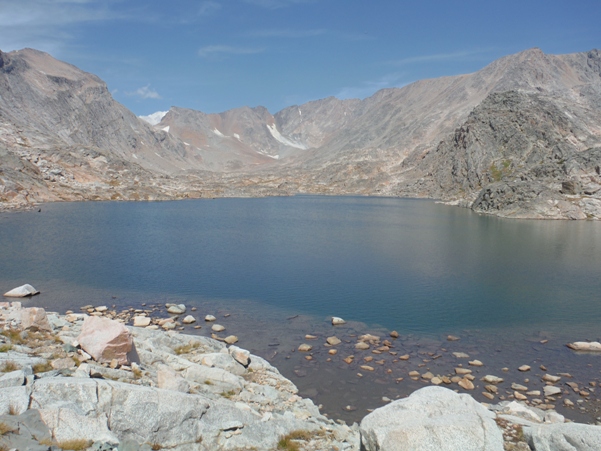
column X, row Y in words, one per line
column 145, row 92
column 211, row 50
column 44, row 24
column 369, row 87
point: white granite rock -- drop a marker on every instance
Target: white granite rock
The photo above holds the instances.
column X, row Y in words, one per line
column 431, row 419
column 21, row 292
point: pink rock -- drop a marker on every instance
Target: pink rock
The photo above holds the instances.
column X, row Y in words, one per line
column 35, row 318
column 105, row 339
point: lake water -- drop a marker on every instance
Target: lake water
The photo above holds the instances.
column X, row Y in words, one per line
column 421, row 268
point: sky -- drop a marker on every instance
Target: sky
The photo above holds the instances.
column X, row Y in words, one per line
column 214, row 55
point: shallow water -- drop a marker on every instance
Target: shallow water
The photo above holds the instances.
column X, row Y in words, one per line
column 423, row 269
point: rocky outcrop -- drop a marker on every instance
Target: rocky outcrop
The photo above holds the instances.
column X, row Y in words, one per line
column 433, row 418
column 105, row 340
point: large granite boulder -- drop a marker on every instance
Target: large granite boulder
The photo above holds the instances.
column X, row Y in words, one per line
column 563, row 437
column 21, row 292
column 105, row 339
column 432, row 419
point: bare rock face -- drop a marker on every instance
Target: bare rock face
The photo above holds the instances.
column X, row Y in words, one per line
column 35, row 318
column 105, row 339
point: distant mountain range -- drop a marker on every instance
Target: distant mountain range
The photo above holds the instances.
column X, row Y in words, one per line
column 519, row 138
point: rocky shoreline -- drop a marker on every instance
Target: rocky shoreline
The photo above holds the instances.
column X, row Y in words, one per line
column 87, row 381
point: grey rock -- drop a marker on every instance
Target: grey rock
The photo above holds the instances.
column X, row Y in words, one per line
column 432, row 418
column 21, row 292
column 12, row 379
column 563, row 437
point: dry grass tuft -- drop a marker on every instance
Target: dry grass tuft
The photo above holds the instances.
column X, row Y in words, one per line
column 9, row 366
column 75, row 445
column 186, row 349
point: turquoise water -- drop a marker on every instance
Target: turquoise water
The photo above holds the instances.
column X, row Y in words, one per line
column 410, row 265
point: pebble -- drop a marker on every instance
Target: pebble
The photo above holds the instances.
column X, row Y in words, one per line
column 189, row 319
column 305, row 347
column 551, row 378
column 349, row 359
column 336, row 321
column 476, row 363
column 519, row 387
column 366, row 367
column 333, row 341
column 461, row 355
column 462, row 371
column 210, row 318
column 453, row 338
column 394, row 334
column 404, row 357
column 551, row 390
column 333, row 351
column 466, row 384
column 488, row 395
column 524, row 368
column 520, row 397
column 217, row 328
column 231, row 339
column 310, row 337
column 141, row 321
column 436, row 380
column 489, row 379
column 361, row 346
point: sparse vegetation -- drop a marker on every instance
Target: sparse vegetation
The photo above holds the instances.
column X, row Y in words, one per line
column 5, row 428
column 208, row 382
column 75, row 445
column 13, row 409
column 5, row 347
column 186, row 349
column 9, row 366
column 41, row 367
column 137, row 372
column 13, row 335
column 228, row 394
column 289, row 442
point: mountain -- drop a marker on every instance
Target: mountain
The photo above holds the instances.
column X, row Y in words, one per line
column 518, row 138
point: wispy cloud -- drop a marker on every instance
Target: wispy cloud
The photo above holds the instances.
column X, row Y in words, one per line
column 367, row 88
column 145, row 92
column 44, row 24
column 276, row 4
column 215, row 50
column 286, row 33
column 439, row 57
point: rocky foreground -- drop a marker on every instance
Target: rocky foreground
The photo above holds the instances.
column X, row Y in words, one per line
column 85, row 381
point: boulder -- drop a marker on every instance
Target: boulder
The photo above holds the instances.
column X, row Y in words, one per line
column 431, row 419
column 176, row 309
column 35, row 318
column 563, row 437
column 242, row 356
column 21, row 292
column 105, row 339
column 593, row 346
column 189, row 319
column 337, row 321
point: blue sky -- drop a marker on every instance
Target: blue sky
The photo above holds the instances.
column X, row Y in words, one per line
column 213, row 55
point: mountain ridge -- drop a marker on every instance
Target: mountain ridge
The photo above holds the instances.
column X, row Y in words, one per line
column 398, row 142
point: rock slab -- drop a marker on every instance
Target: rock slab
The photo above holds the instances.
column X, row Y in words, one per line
column 431, row 419
column 21, row 292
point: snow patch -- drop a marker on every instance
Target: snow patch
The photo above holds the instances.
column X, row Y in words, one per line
column 134, row 155
column 218, row 133
column 277, row 135
column 187, row 144
column 165, row 129
column 154, row 118
column 237, row 136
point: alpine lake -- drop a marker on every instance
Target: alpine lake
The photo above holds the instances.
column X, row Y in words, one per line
column 274, row 270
